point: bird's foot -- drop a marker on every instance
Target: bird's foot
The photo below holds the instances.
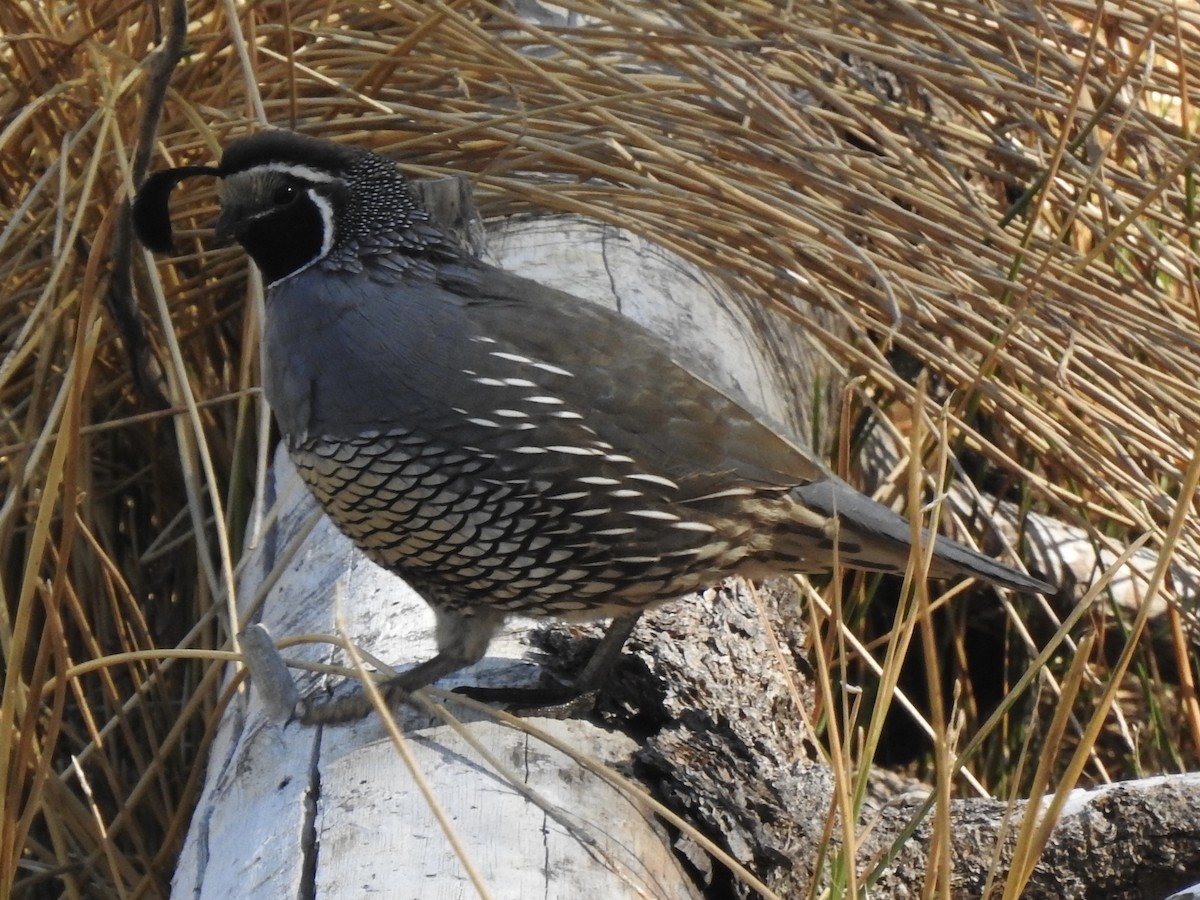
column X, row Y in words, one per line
column 549, row 701
column 561, row 700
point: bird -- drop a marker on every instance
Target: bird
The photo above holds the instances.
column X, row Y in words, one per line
column 504, row 447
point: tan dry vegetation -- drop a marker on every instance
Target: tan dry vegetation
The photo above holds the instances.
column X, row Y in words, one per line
column 1001, row 194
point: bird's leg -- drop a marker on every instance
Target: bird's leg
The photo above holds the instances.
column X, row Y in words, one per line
column 606, row 654
column 560, row 700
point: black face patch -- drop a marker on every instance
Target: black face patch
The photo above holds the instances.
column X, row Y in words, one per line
column 286, row 237
column 276, row 217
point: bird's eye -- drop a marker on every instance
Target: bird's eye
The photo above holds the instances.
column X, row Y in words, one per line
column 284, row 194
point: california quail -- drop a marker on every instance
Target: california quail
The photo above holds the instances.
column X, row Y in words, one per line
column 503, row 446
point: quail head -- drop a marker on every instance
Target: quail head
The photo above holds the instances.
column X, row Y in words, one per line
column 506, row 447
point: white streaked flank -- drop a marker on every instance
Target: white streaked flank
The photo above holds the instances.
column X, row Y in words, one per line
column 695, row 526
column 554, row 370
column 511, row 357
column 658, row 514
column 653, row 479
column 716, row 495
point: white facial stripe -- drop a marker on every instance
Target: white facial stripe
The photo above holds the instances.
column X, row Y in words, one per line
column 304, row 173
column 326, row 209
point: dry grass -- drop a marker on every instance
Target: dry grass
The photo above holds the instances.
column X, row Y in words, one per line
column 1002, row 194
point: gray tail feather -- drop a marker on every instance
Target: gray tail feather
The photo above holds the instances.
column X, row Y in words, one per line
column 874, row 522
